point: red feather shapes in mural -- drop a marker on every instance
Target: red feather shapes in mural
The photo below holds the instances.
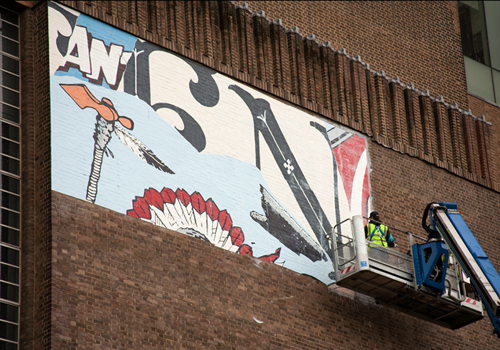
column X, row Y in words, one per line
column 192, row 215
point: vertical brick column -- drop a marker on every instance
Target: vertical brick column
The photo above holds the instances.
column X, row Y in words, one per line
column 328, row 76
column 443, row 147
column 380, row 82
column 471, row 146
column 414, row 122
column 482, row 139
column 261, row 37
column 339, row 68
column 427, row 126
column 279, row 57
column 28, row 217
column 248, row 53
column 36, row 235
column 399, row 128
column 457, row 137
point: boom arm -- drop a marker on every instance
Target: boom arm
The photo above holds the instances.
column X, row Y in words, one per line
column 449, row 223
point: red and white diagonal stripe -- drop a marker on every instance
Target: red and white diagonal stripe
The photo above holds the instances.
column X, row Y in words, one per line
column 347, row 270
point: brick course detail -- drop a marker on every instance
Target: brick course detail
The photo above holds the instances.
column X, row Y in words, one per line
column 122, row 283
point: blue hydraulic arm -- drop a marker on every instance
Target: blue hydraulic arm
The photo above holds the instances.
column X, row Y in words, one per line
column 447, row 221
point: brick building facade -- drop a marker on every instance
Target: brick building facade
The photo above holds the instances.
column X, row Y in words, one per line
column 94, row 276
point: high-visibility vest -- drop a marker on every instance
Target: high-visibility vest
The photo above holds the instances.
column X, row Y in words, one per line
column 376, row 234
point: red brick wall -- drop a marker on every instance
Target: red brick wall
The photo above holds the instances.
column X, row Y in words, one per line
column 93, row 278
column 399, row 37
column 122, row 283
column 28, row 180
column 36, row 243
column 492, row 114
column 401, row 188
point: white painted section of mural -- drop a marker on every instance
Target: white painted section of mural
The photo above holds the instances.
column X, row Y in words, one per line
column 142, row 131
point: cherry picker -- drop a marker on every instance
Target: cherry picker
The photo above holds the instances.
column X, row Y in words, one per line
column 446, row 278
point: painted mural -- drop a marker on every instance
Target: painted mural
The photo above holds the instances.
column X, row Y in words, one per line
column 150, row 134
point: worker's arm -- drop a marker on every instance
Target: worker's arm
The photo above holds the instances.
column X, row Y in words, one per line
column 389, row 238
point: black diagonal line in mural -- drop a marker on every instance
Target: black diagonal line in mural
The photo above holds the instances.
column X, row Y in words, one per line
column 337, row 141
column 267, row 125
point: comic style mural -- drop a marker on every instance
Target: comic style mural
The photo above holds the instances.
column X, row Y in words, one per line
column 150, row 134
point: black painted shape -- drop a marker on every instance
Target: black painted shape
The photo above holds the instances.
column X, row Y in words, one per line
column 192, row 131
column 62, row 41
column 265, row 122
column 136, row 77
column 129, row 76
column 205, row 91
column 279, row 224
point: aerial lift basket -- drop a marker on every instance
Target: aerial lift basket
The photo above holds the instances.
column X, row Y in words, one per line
column 389, row 276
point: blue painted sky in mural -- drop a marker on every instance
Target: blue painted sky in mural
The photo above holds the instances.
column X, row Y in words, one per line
column 233, row 184
column 106, row 33
column 102, row 32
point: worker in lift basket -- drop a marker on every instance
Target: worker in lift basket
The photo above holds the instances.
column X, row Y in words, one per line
column 378, row 233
